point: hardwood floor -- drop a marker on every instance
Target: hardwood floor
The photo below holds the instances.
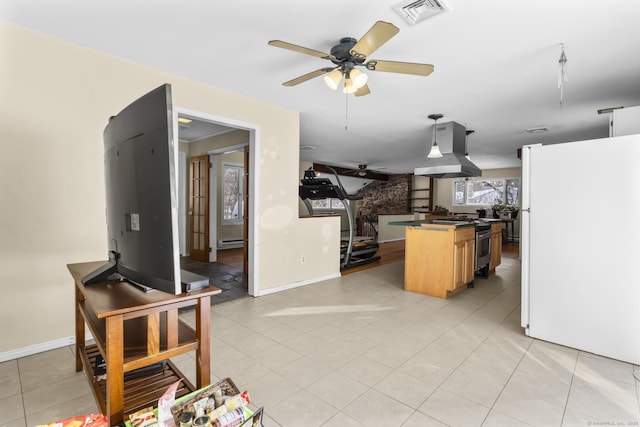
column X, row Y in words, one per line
column 394, row 251
column 231, row 256
column 388, row 252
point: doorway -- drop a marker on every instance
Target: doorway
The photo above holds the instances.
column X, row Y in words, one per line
column 196, row 132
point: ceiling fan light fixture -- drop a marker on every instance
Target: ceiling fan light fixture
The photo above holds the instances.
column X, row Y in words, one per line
column 333, row 79
column 349, row 87
column 358, row 78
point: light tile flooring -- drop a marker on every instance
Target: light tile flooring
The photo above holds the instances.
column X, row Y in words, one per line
column 360, row 351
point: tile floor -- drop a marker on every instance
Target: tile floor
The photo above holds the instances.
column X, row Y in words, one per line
column 359, row 351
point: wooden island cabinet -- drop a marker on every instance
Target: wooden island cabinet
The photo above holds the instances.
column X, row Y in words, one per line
column 136, row 334
column 439, row 259
column 496, row 245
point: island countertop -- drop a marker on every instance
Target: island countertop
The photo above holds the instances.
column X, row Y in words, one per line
column 437, row 222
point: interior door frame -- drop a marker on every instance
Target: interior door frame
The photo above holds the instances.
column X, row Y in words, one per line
column 254, row 184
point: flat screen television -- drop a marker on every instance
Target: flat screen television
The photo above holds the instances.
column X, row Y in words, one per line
column 141, row 196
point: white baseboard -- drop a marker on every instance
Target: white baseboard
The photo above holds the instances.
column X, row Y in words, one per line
column 39, row 348
column 297, row 284
column 391, row 240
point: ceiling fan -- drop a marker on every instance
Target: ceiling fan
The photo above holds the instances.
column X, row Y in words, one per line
column 361, row 172
column 351, row 53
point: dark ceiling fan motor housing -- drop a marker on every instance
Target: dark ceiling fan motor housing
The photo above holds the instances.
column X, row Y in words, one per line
column 342, row 54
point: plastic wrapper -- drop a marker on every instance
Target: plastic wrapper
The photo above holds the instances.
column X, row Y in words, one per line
column 90, row 420
column 166, row 401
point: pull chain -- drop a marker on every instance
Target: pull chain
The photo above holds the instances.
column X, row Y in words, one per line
column 346, row 111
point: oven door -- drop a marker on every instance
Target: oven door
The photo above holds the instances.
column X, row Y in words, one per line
column 483, row 248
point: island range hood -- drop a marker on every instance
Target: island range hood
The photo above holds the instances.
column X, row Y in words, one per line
column 451, row 140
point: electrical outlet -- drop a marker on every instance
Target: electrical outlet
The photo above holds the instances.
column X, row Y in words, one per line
column 303, row 259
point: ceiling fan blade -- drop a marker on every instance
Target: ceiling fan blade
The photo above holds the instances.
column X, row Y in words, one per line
column 300, row 49
column 307, row 76
column 364, row 90
column 400, row 67
column 380, row 33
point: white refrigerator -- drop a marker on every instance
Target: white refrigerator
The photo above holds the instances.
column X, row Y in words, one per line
column 580, row 245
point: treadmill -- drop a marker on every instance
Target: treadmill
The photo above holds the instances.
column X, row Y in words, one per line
column 352, row 253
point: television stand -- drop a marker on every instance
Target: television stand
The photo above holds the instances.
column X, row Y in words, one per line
column 132, row 330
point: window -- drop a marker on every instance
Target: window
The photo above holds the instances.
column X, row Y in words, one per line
column 486, row 191
column 327, row 204
column 233, row 193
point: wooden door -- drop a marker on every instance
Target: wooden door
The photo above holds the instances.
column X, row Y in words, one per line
column 245, row 263
column 199, row 208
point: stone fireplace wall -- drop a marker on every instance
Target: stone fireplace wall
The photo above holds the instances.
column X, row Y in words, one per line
column 385, row 197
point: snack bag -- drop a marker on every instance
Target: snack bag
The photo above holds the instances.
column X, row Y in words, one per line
column 143, row 418
column 91, row 420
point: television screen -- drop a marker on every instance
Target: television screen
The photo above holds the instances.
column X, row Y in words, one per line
column 141, row 201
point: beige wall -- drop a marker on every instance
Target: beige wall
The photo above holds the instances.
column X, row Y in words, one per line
column 56, row 98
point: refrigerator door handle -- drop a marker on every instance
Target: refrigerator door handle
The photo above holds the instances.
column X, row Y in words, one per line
column 525, row 238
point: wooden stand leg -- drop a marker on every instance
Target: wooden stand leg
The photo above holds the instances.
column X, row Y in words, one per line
column 203, row 332
column 79, row 330
column 115, row 369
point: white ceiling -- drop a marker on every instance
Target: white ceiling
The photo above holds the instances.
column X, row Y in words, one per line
column 496, row 66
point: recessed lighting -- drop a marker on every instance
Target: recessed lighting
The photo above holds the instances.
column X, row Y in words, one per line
column 537, row 129
column 184, row 120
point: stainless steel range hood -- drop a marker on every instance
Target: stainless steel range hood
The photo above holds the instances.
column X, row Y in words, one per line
column 451, row 139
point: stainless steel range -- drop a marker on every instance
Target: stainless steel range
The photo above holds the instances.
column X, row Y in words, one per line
column 483, row 242
column 483, row 248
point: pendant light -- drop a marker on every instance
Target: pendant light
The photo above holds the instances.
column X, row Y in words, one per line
column 435, row 151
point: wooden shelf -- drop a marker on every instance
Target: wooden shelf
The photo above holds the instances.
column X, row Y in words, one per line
column 420, row 181
column 141, row 392
column 135, row 336
column 133, row 331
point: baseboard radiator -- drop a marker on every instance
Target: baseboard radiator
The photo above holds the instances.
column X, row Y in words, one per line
column 230, row 243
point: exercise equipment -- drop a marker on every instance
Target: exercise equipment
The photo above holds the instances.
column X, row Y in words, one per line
column 352, row 253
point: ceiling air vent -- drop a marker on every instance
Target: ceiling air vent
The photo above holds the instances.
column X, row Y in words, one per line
column 537, row 129
column 414, row 11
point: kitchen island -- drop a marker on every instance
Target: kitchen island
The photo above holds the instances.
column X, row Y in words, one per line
column 440, row 255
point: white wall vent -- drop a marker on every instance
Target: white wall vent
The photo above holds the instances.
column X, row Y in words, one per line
column 414, row 11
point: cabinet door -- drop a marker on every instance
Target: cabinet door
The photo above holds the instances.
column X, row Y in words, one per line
column 496, row 246
column 459, row 265
column 469, row 261
column 496, row 250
